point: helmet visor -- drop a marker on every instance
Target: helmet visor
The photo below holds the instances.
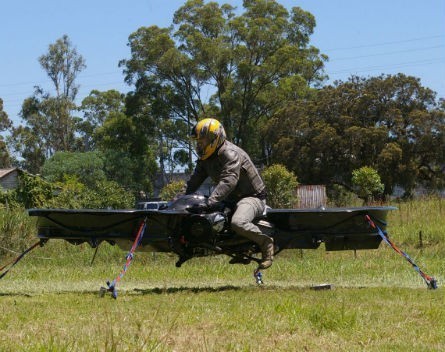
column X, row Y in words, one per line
column 200, row 145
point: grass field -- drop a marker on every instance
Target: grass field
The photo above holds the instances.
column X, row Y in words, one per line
column 50, row 301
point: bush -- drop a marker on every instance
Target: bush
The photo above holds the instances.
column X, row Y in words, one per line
column 339, row 196
column 33, row 191
column 281, row 186
column 110, row 195
column 171, row 190
column 105, row 195
column 366, row 182
column 8, row 199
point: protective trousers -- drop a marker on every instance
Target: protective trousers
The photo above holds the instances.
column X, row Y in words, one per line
column 246, row 210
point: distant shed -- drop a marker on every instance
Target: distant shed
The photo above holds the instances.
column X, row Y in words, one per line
column 9, row 178
column 311, row 196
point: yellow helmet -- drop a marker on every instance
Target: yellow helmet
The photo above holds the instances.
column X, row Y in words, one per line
column 209, row 134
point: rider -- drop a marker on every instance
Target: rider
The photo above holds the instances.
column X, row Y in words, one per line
column 237, row 180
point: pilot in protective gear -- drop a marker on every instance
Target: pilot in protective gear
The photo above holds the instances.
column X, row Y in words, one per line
column 237, row 180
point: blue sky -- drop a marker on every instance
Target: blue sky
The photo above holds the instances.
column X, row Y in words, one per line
column 365, row 38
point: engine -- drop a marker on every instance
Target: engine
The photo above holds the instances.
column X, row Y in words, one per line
column 204, row 227
column 199, row 228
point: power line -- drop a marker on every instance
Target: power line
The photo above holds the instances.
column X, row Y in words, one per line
column 387, row 53
column 49, row 81
column 120, row 83
column 387, row 43
column 82, row 86
column 386, row 67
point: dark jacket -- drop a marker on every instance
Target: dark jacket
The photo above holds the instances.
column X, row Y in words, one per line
column 233, row 172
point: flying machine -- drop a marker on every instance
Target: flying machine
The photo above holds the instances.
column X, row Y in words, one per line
column 176, row 228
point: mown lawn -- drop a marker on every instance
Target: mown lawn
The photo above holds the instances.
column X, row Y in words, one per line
column 50, row 300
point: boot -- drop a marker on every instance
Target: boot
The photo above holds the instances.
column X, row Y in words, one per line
column 267, row 251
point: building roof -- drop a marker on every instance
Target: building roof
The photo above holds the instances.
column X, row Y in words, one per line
column 5, row 172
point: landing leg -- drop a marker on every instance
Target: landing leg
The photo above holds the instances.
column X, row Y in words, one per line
column 258, row 275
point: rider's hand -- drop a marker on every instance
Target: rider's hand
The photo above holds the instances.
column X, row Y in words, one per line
column 198, row 208
column 204, row 207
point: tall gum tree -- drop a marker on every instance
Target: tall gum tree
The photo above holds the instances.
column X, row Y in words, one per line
column 241, row 67
column 49, row 124
column 5, row 124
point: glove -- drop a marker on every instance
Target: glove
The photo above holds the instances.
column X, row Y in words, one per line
column 198, row 208
column 203, row 207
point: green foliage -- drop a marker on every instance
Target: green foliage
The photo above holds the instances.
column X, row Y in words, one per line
column 87, row 167
column 171, row 190
column 367, row 183
column 110, row 195
column 5, row 123
column 390, row 122
column 8, row 199
column 263, row 70
column 73, row 194
column 281, row 186
column 49, row 123
column 122, row 136
column 129, row 160
column 62, row 64
column 133, row 172
column 56, row 286
column 33, row 191
column 96, row 107
column 17, row 230
column 339, row 196
column 69, row 193
column 255, row 60
column 29, row 143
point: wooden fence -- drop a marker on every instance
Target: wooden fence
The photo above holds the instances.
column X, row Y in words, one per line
column 311, row 196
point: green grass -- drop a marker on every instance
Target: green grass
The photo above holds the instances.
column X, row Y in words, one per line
column 50, row 301
column 228, row 319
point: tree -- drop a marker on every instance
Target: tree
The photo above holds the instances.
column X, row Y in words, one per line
column 239, row 68
column 62, row 64
column 129, row 161
column 87, row 167
column 390, row 122
column 5, row 123
column 148, row 108
column 96, row 108
column 26, row 142
column 115, row 128
column 49, row 123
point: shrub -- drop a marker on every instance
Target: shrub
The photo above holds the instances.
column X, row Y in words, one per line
column 281, row 185
column 340, row 196
column 33, row 191
column 366, row 181
column 73, row 194
column 171, row 190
